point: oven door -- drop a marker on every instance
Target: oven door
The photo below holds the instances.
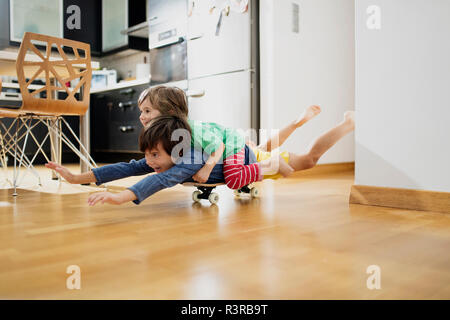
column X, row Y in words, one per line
column 168, row 63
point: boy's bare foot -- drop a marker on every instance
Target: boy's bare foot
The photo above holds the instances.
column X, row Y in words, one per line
column 349, row 117
column 309, row 113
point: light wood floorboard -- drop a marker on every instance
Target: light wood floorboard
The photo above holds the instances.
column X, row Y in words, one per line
column 300, row 240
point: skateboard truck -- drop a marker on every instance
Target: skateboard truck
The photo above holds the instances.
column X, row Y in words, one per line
column 205, row 191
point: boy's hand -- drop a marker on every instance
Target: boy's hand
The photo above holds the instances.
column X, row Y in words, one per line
column 104, row 197
column 202, row 175
column 111, row 198
column 63, row 171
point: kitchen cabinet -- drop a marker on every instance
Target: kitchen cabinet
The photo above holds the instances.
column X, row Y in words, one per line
column 88, row 28
column 115, row 125
column 18, row 16
column 97, row 22
column 117, row 16
column 114, row 20
column 43, row 16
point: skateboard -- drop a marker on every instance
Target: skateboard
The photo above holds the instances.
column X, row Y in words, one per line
column 205, row 191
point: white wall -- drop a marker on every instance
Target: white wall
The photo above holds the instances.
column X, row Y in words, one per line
column 403, row 95
column 124, row 62
column 314, row 66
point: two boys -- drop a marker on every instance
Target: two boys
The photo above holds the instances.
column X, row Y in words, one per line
column 166, row 142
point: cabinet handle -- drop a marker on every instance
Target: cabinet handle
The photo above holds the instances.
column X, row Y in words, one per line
column 127, row 91
column 124, row 105
column 126, row 128
column 195, row 93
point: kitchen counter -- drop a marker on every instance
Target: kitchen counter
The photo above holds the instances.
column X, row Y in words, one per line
column 121, row 85
column 125, row 84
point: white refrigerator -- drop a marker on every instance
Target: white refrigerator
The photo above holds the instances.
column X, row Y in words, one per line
column 223, row 63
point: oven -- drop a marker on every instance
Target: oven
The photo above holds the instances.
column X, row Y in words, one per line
column 167, row 40
column 168, row 63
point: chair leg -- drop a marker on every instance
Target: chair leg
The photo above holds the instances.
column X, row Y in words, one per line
column 29, row 163
column 87, row 160
column 54, row 152
column 16, row 177
column 83, row 151
column 57, row 137
column 4, row 158
column 15, row 159
column 12, row 148
column 5, row 145
column 11, row 142
column 55, row 144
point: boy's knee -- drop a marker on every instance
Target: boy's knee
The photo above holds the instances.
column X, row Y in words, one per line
column 232, row 184
column 311, row 161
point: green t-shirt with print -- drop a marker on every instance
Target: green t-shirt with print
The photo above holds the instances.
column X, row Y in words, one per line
column 209, row 135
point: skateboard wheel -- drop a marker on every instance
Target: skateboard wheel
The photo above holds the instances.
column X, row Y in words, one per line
column 213, row 198
column 254, row 192
column 195, row 195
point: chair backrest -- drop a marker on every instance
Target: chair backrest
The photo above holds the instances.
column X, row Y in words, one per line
column 58, row 69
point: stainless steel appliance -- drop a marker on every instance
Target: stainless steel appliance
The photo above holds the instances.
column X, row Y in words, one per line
column 167, row 40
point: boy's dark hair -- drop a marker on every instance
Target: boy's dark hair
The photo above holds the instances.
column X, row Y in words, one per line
column 167, row 100
column 160, row 129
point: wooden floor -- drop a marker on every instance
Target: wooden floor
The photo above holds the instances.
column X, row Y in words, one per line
column 300, row 240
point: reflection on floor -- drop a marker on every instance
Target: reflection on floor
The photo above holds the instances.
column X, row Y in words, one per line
column 300, row 240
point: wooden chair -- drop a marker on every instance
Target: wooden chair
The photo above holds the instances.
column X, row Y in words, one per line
column 56, row 71
column 3, row 156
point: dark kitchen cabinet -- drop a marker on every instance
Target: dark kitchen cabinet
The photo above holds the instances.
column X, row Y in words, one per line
column 83, row 23
column 77, row 20
column 101, row 24
column 115, row 125
column 118, row 15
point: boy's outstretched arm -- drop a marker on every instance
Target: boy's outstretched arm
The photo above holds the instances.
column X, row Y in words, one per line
column 115, row 171
column 153, row 183
column 111, row 198
column 103, row 174
column 202, row 175
column 81, row 178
